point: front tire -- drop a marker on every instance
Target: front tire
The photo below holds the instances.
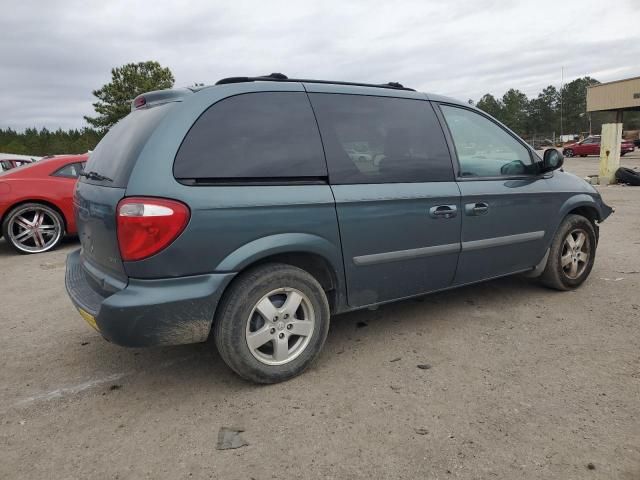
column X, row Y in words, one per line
column 572, row 254
column 272, row 323
column 568, row 153
column 33, row 228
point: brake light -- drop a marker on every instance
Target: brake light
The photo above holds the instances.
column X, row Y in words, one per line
column 148, row 225
column 139, row 102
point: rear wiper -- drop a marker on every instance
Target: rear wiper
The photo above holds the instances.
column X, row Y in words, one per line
column 95, row 176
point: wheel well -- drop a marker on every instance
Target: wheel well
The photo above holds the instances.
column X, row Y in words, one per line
column 42, row 202
column 316, row 265
column 590, row 214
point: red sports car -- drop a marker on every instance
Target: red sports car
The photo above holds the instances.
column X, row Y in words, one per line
column 36, row 202
column 591, row 146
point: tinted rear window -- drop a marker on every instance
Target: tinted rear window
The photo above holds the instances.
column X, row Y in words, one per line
column 253, row 136
column 116, row 154
column 371, row 139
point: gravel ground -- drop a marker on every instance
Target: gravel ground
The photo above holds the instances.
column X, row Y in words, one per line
column 523, row 382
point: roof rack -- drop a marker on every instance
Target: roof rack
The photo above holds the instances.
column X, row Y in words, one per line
column 279, row 77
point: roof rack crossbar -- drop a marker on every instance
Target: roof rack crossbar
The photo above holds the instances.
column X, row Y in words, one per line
column 279, row 77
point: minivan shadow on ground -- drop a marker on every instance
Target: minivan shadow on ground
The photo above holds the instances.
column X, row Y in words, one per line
column 350, row 336
column 99, row 365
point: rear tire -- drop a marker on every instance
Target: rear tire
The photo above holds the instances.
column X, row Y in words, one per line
column 272, row 323
column 568, row 152
column 33, row 228
column 571, row 255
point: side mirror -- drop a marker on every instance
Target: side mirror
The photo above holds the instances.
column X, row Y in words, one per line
column 552, row 160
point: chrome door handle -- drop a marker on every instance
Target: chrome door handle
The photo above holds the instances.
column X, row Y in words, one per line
column 479, row 208
column 443, row 211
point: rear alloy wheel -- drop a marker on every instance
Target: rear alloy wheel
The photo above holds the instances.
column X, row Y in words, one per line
column 571, row 255
column 33, row 228
column 568, row 153
column 272, row 323
column 280, row 326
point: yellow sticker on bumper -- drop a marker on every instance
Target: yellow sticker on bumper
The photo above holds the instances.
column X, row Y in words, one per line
column 90, row 319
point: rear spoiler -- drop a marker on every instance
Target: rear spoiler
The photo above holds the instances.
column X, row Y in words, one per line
column 158, row 97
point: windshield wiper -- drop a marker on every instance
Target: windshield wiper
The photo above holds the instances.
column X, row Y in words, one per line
column 95, row 176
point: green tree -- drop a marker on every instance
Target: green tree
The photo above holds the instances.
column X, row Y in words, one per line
column 544, row 111
column 16, row 146
column 574, row 105
column 127, row 82
column 542, row 114
column 489, row 104
column 515, row 110
column 44, row 142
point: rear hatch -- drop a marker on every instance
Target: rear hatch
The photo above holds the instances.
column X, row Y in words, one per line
column 96, row 198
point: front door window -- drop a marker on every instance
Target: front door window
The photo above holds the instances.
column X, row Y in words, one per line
column 484, row 149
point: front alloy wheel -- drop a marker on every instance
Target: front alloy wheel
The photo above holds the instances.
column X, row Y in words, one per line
column 576, row 251
column 571, row 254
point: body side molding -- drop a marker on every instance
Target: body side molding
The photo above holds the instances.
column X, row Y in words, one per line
column 385, row 257
column 500, row 241
column 398, row 255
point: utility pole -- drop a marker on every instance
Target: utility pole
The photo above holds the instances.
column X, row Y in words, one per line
column 561, row 88
column 588, row 115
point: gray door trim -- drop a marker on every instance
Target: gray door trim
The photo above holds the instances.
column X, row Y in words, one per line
column 377, row 258
column 501, row 241
column 397, row 255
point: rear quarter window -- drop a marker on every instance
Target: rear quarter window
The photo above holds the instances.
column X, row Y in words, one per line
column 263, row 135
column 70, row 171
column 116, row 154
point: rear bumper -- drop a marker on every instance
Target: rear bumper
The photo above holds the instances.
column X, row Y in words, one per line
column 169, row 311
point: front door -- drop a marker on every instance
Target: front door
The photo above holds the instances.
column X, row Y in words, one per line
column 397, row 203
column 506, row 205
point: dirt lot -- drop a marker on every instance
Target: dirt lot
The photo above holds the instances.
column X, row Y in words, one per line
column 524, row 383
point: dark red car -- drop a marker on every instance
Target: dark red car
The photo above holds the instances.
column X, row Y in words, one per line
column 591, row 146
column 36, row 202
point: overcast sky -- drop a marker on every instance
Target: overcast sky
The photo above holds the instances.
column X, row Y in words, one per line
column 54, row 53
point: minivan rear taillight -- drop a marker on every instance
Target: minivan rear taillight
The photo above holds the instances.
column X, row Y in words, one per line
column 147, row 225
